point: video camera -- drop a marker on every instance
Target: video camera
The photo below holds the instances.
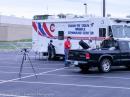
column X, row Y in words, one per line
column 25, row 50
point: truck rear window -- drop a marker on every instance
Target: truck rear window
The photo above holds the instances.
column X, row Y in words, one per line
column 108, row 43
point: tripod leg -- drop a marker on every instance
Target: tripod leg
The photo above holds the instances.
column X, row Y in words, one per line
column 32, row 66
column 21, row 67
column 35, row 55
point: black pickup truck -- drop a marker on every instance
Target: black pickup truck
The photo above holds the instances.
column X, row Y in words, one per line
column 111, row 53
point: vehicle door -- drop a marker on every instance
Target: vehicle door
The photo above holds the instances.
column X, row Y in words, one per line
column 124, row 52
column 115, row 51
column 129, row 51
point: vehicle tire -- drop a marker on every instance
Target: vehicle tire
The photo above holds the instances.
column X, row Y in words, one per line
column 128, row 67
column 84, row 68
column 105, row 65
column 51, row 54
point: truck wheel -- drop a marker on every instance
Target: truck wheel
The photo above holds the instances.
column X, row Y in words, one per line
column 128, row 67
column 84, row 68
column 105, row 65
column 51, row 54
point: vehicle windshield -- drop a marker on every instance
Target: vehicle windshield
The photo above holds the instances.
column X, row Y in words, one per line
column 120, row 31
column 117, row 31
column 127, row 31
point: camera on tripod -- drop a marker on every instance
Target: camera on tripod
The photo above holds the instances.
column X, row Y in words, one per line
column 25, row 50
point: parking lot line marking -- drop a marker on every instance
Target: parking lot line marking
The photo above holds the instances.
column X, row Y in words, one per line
column 43, row 64
column 5, row 61
column 107, row 77
column 24, row 67
column 64, row 75
column 13, row 72
column 8, row 95
column 32, row 75
column 75, row 85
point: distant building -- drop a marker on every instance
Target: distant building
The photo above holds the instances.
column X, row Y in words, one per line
column 14, row 28
column 128, row 16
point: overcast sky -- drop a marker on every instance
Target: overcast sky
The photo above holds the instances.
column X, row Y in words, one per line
column 28, row 8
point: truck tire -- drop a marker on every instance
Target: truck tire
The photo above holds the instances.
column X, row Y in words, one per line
column 84, row 68
column 105, row 65
column 128, row 67
column 51, row 54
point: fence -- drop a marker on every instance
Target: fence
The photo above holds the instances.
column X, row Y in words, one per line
column 14, row 45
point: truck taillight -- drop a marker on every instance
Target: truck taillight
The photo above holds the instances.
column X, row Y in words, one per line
column 87, row 56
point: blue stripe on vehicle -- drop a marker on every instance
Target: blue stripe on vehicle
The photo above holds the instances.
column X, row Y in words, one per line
column 41, row 29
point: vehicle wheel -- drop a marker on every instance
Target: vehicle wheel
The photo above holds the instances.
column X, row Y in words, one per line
column 84, row 68
column 128, row 67
column 105, row 65
column 51, row 54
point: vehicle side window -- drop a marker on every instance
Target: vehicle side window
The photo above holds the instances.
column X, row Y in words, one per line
column 110, row 31
column 104, row 44
column 129, row 45
column 124, row 45
column 102, row 32
column 109, row 43
column 61, row 35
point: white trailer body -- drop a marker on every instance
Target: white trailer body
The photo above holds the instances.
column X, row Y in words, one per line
column 92, row 28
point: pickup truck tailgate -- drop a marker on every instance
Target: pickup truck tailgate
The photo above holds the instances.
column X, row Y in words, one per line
column 77, row 55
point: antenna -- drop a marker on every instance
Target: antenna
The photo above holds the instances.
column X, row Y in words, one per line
column 47, row 9
column 85, row 4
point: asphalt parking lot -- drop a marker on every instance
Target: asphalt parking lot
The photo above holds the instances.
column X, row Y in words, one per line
column 55, row 80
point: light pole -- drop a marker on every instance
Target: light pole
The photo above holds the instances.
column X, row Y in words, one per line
column 85, row 4
column 0, row 18
column 104, row 8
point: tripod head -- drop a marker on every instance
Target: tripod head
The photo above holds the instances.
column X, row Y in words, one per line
column 25, row 50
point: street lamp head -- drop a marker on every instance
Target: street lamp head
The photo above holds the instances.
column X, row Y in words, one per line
column 85, row 3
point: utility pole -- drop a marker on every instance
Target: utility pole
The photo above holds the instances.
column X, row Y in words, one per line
column 104, row 8
column 85, row 4
column 0, row 17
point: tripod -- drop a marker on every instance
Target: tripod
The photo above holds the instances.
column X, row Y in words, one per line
column 25, row 56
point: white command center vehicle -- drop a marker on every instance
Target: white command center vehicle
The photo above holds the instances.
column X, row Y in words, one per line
column 87, row 28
